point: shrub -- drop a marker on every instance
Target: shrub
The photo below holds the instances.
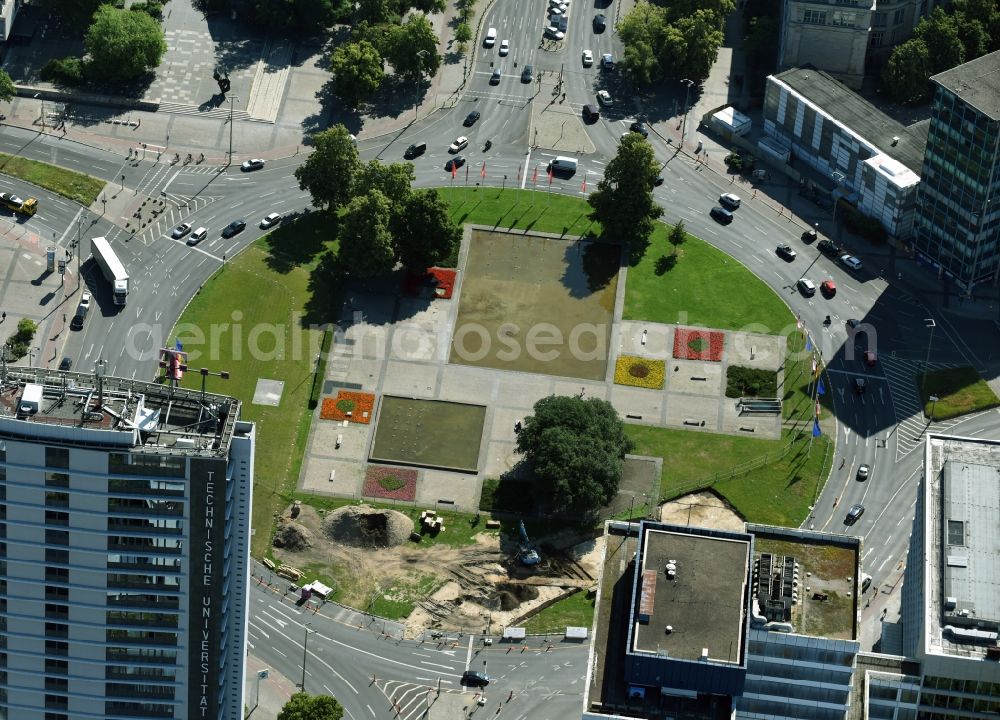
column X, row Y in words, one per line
column 751, row 382
column 63, row 71
column 152, row 8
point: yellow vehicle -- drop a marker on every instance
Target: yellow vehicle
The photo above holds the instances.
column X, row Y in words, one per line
column 13, row 202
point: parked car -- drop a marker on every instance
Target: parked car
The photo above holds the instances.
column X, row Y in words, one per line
column 471, row 118
column 828, row 288
column 785, row 251
column 863, row 472
column 854, row 514
column 588, row 58
column 255, row 164
column 504, row 47
column 607, row 61
column 720, row 214
column 850, row 262
column 455, row 163
column 270, row 220
column 474, row 678
column 829, row 248
column 730, row 200
column 604, row 97
column 554, row 33
column 459, row 144
column 527, row 73
column 197, row 236
column 806, row 287
column 809, row 236
column 236, row 226
column 85, row 301
column 180, row 231
column 600, row 23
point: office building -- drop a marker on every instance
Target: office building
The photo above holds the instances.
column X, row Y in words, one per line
column 869, row 159
column 958, row 223
column 712, row 624
column 124, row 535
column 846, row 38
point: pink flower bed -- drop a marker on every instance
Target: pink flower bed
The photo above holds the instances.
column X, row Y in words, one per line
column 691, row 344
column 391, row 483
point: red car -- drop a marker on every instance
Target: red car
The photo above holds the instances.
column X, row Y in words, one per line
column 828, row 288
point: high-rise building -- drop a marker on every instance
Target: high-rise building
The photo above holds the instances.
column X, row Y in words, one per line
column 124, row 538
column 958, row 222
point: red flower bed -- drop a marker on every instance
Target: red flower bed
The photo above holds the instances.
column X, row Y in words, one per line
column 391, row 483
column 441, row 279
column 359, row 404
column 691, row 344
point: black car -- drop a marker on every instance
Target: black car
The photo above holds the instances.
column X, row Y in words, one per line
column 414, row 150
column 854, row 514
column 236, row 226
column 785, row 251
column 471, row 118
column 639, row 127
column 455, row 163
column 474, row 678
column 658, row 181
column 66, row 363
column 808, row 236
column 721, row 215
column 600, row 23
column 527, row 73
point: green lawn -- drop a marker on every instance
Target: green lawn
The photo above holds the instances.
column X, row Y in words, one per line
column 705, row 288
column 270, row 289
column 959, row 391
column 528, row 209
column 577, row 610
column 778, row 491
column 78, row 187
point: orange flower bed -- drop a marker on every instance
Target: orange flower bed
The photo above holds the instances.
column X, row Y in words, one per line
column 359, row 404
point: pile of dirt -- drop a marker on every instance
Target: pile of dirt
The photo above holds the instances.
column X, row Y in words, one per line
column 293, row 536
column 509, row 596
column 365, row 527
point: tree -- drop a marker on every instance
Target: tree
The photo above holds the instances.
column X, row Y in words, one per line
column 122, row 44
column 427, row 7
column 424, row 230
column 623, row 201
column 331, row 169
column 691, row 45
column 7, row 90
column 366, row 246
column 412, row 48
column 907, row 72
column 302, row 706
column 375, row 12
column 640, row 62
column 684, row 8
column 975, row 39
column 463, row 34
column 357, row 71
column 677, row 236
column 79, row 12
column 393, row 180
column 308, row 15
column 944, row 46
column 575, row 449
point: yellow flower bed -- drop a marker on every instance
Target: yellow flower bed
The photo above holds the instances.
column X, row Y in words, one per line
column 639, row 372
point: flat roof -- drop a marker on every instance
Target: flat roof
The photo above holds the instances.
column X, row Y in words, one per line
column 111, row 412
column 961, row 536
column 831, row 562
column 848, row 109
column 704, row 602
column 976, row 82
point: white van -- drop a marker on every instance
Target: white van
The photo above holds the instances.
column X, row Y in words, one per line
column 565, row 165
column 491, row 37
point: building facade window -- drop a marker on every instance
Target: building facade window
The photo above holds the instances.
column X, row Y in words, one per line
column 875, row 40
column 878, row 20
column 844, row 19
column 57, row 457
column 897, row 17
column 814, row 17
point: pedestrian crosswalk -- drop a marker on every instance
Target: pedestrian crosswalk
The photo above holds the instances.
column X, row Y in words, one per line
column 409, row 700
column 911, row 423
column 221, row 113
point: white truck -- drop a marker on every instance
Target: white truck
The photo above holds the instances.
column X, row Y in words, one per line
column 112, row 268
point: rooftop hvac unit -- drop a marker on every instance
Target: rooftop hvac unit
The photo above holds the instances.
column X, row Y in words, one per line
column 671, row 574
column 668, row 629
column 671, row 567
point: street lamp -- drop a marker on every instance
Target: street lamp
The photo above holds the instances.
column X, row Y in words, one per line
column 261, row 675
column 933, row 399
column 231, row 98
column 687, row 92
column 928, row 323
column 305, row 646
column 39, row 95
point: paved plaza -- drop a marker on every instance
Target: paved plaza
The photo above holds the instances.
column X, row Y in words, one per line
column 400, row 346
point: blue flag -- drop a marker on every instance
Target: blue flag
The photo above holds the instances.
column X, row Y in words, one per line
column 809, row 344
column 819, row 387
column 816, row 431
column 177, row 344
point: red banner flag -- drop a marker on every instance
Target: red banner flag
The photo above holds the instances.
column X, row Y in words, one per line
column 583, row 188
column 534, row 176
column 550, row 175
column 482, row 170
column 454, row 171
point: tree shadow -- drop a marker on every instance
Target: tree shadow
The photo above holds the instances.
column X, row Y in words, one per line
column 299, row 239
column 664, row 264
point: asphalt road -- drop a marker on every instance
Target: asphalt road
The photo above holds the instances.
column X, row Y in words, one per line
column 368, row 672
